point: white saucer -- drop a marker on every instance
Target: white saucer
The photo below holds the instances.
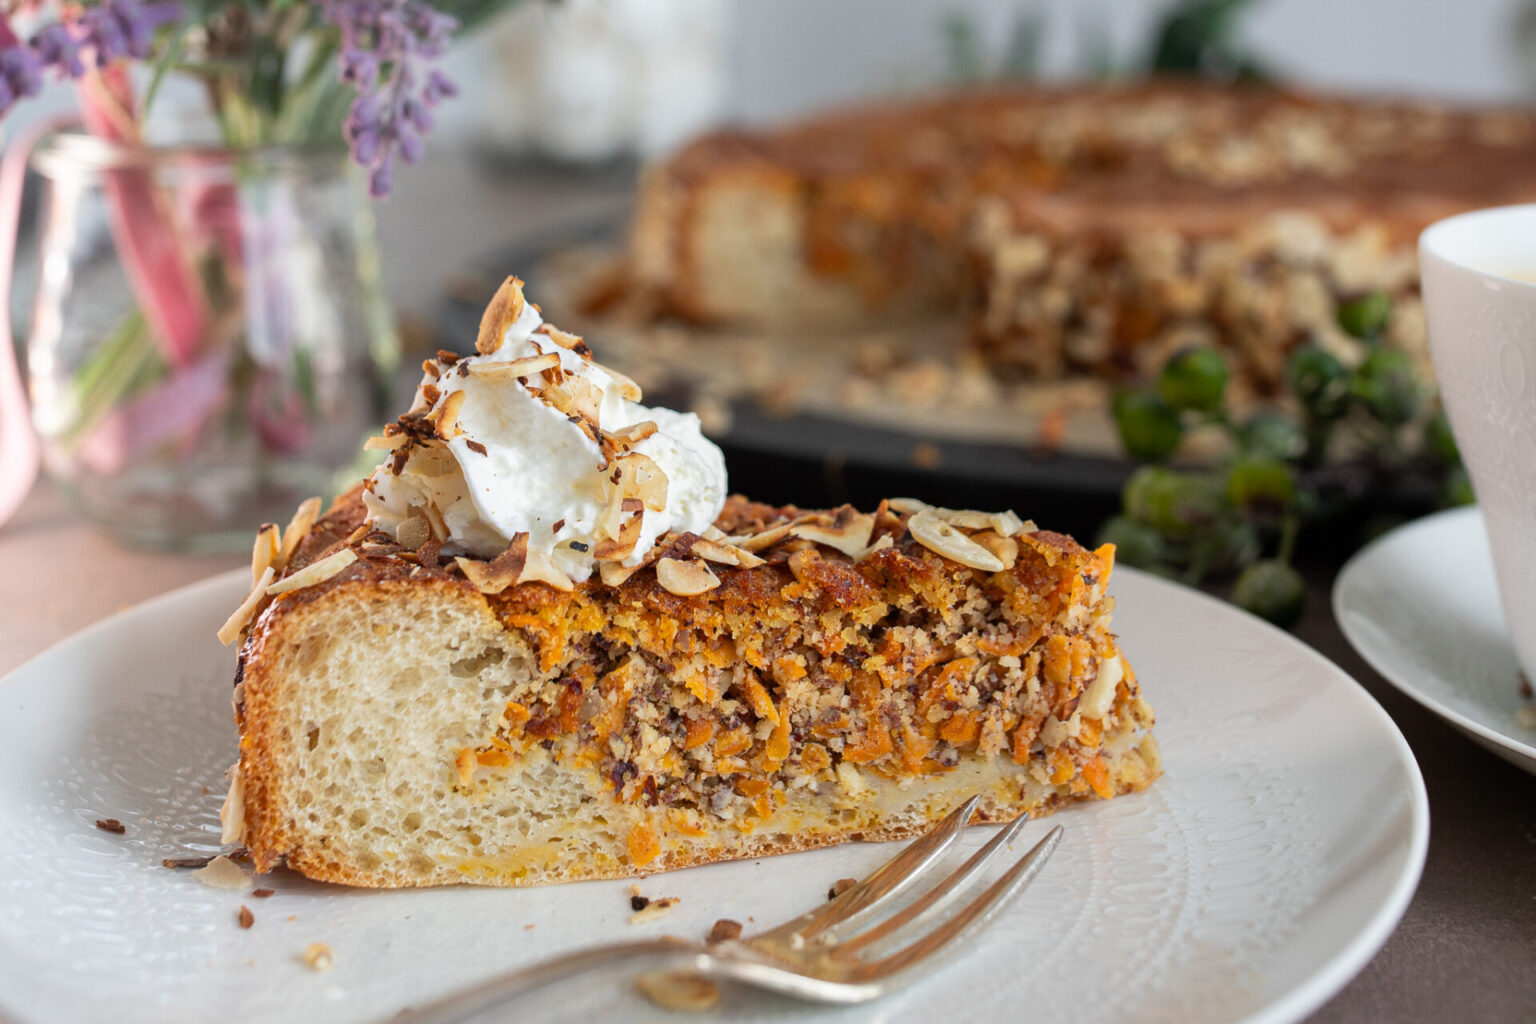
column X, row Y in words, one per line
column 1422, row 606
column 1249, row 883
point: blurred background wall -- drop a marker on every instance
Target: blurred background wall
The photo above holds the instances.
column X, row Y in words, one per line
column 780, row 63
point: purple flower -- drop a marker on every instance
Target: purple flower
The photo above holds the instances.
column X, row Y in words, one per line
column 21, row 75
column 107, row 32
column 385, row 45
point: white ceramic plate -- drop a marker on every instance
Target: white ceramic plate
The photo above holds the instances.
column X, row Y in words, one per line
column 1250, row 883
column 1422, row 606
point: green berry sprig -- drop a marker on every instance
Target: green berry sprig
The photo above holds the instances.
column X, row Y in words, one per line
column 1242, row 516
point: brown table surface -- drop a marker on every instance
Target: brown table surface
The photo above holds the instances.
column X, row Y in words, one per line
column 1465, row 950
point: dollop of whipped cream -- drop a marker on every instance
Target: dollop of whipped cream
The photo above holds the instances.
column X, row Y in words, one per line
column 530, row 442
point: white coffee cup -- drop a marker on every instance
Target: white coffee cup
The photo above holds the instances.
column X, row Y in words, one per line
column 1479, row 279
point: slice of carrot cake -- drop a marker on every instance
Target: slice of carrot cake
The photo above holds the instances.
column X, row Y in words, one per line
column 540, row 644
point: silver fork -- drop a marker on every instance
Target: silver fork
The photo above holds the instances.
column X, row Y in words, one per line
column 827, row 955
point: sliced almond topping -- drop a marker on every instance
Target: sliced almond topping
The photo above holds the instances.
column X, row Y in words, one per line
column 524, row 367
column 298, row 528
column 616, row 549
column 500, row 572
column 759, row 541
column 714, row 533
column 685, row 579
column 628, row 389
column 266, row 550
column 241, row 616
column 363, row 529
column 905, row 505
column 575, row 396
column 642, row 478
column 385, row 444
column 447, row 415
column 1007, row 524
column 412, row 532
column 634, row 433
column 966, row 519
column 615, row 573
column 725, row 554
column 849, row 534
column 315, row 572
column 505, row 308
column 564, row 339
column 540, row 568
column 942, row 538
column 435, row 520
column 222, row 873
column 232, row 812
column 1005, row 548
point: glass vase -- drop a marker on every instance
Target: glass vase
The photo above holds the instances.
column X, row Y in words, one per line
column 210, row 342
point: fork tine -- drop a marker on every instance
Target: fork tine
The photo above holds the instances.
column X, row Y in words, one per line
column 888, row 879
column 972, row 918
column 935, row 897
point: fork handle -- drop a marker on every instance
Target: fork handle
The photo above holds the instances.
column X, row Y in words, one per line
column 670, row 952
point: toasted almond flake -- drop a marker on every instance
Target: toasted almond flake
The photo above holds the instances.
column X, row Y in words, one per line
column 850, row 536
column 564, row 339
column 268, row 546
column 223, row 873
column 385, row 444
column 621, row 547
column 767, row 538
column 447, row 415
column 298, row 528
column 412, row 531
column 540, row 568
column 232, row 811
column 364, row 529
column 628, row 389
column 1008, row 524
column 942, row 538
column 966, row 519
column 315, row 572
column 317, row 957
column 500, row 572
column 905, row 505
column 725, row 554
column 527, row 366
column 615, row 573
column 575, row 396
column 634, row 433
column 687, row 991
column 1005, row 548
column 241, row 616
column 685, row 579
column 435, row 520
column 879, row 545
column 640, row 477
column 654, row 909
column 716, row 534
column 503, row 311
